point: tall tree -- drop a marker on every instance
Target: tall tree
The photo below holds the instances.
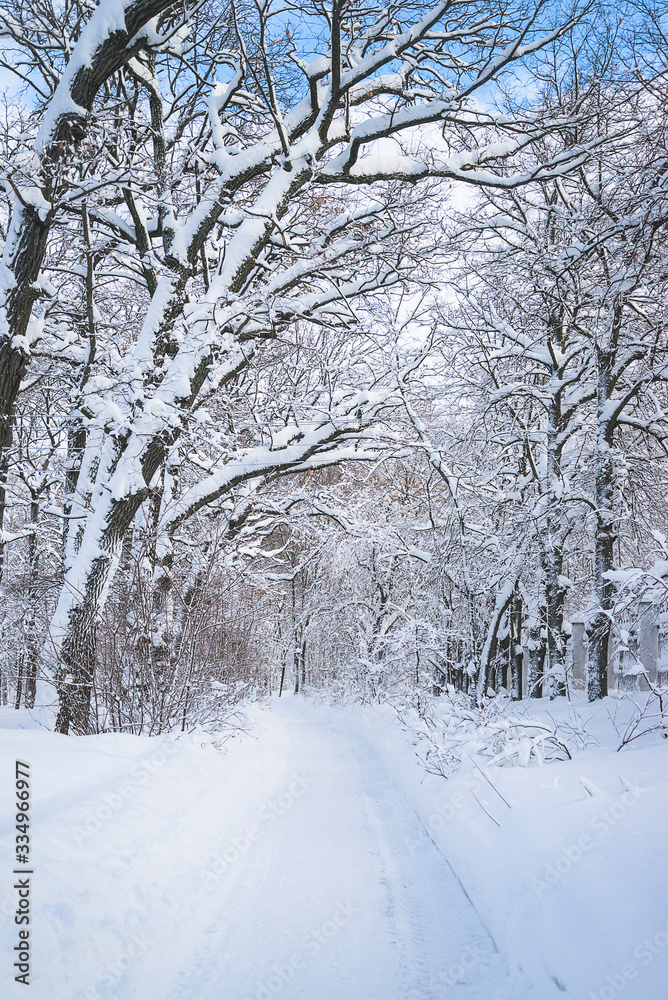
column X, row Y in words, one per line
column 197, row 145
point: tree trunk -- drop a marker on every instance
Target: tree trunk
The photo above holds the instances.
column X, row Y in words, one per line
column 517, row 651
column 31, row 645
column 502, row 658
column 503, row 599
column 72, row 644
column 599, row 614
column 599, row 624
column 296, row 665
column 537, row 651
column 555, row 594
column 77, row 661
column 552, row 546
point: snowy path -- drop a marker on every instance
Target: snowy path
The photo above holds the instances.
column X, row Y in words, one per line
column 331, row 890
column 291, row 867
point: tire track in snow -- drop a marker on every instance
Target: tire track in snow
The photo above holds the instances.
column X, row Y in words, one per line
column 207, row 909
column 410, row 878
column 346, row 840
column 421, row 966
column 405, row 935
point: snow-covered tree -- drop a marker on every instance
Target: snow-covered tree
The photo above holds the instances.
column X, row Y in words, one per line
column 198, row 156
column 559, row 326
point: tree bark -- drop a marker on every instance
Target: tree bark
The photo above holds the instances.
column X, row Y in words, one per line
column 555, row 593
column 537, row 653
column 517, row 651
column 599, row 616
column 73, row 641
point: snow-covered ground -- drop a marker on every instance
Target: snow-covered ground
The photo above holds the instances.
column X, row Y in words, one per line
column 311, row 857
column 567, row 863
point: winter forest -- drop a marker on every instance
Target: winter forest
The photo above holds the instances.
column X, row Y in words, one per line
column 334, row 364
column 333, row 350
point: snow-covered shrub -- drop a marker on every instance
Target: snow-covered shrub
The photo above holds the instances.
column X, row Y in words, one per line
column 500, row 732
column 649, row 716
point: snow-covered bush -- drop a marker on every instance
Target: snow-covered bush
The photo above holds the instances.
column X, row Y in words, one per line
column 500, row 733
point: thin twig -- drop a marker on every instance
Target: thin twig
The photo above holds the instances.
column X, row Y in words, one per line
column 484, row 810
column 489, row 782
